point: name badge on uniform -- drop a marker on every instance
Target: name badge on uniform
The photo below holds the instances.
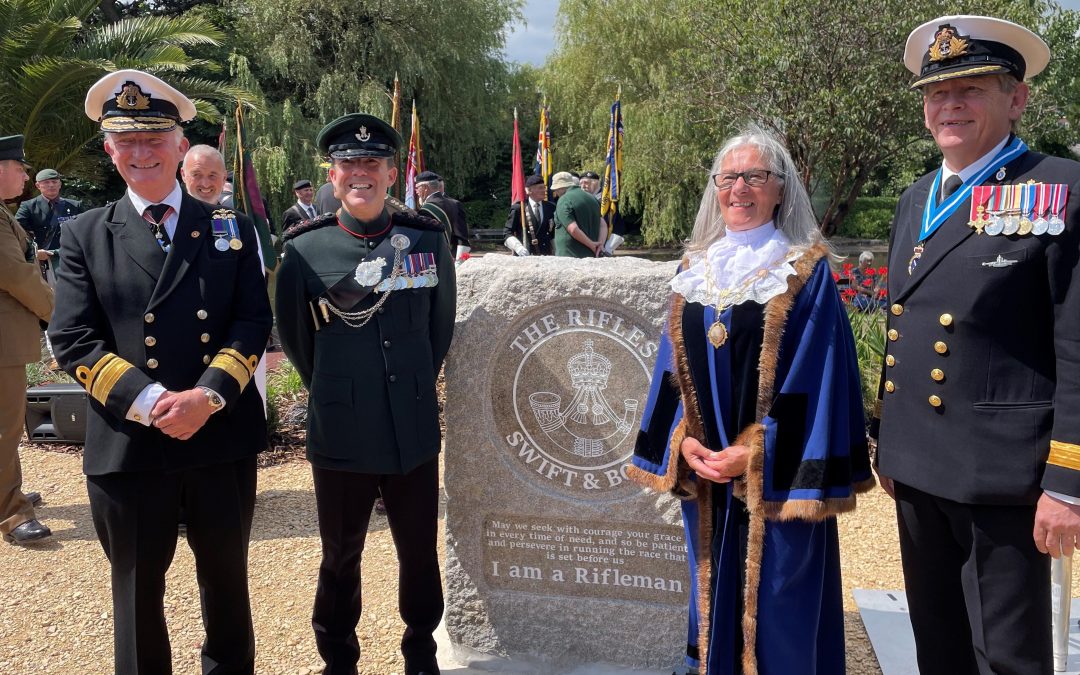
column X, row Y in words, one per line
column 1030, row 208
column 226, row 230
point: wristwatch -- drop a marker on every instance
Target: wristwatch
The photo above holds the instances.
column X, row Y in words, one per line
column 214, row 399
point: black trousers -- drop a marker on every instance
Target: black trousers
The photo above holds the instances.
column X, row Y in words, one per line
column 345, row 500
column 978, row 590
column 135, row 515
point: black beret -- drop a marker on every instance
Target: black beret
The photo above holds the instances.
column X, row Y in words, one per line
column 358, row 135
column 301, row 184
column 427, row 176
column 534, row 180
column 591, row 174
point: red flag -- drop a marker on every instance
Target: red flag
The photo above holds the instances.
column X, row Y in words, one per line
column 414, row 163
column 517, row 178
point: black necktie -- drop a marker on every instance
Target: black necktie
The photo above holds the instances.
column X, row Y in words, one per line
column 952, row 184
column 537, row 218
column 155, row 215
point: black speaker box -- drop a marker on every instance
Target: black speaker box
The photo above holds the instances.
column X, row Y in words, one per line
column 56, row 413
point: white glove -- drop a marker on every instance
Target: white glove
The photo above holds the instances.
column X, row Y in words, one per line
column 462, row 250
column 515, row 245
column 613, row 242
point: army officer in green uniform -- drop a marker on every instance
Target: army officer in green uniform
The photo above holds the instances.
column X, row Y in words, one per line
column 365, row 308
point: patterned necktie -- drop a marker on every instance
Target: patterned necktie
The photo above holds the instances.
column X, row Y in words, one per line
column 952, row 184
column 155, row 215
column 310, row 211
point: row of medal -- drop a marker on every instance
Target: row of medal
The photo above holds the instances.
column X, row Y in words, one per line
column 1031, row 208
column 419, row 271
column 225, row 230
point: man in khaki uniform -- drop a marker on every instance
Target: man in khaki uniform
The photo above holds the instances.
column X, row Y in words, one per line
column 24, row 299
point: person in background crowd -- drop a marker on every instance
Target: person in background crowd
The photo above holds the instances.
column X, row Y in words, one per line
column 979, row 431
column 162, row 313
column 302, row 209
column 590, row 182
column 756, row 389
column 431, row 191
column 44, row 215
column 365, row 304
column 535, row 238
column 26, row 302
column 580, row 232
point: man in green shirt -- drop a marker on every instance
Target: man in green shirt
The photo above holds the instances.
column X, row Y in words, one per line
column 580, row 232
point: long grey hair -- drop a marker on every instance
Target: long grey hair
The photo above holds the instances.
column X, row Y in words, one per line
column 794, row 215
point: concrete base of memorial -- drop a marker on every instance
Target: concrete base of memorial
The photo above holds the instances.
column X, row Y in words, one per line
column 556, row 563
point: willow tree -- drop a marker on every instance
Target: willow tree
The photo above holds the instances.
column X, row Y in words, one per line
column 826, row 77
column 49, row 57
column 331, row 57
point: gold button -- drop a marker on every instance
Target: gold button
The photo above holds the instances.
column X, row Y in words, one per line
column 937, row 375
column 201, row 314
column 941, row 347
column 194, row 234
column 148, row 318
column 897, row 310
column 205, row 337
column 889, row 386
column 151, row 363
column 206, row 359
column 890, row 360
column 945, row 319
column 138, row 417
column 935, row 401
column 150, row 341
column 894, row 335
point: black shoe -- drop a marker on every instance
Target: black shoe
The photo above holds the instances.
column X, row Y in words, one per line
column 29, row 531
column 34, row 497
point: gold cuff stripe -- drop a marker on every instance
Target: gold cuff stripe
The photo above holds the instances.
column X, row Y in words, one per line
column 234, row 363
column 969, row 72
column 100, row 380
column 1065, row 454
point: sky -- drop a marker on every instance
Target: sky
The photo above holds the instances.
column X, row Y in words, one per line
column 532, row 41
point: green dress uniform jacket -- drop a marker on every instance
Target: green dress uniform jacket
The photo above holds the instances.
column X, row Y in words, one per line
column 372, row 405
column 128, row 315
column 451, row 214
column 578, row 206
column 980, row 393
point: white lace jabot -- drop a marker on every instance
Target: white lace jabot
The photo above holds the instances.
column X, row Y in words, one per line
column 748, row 265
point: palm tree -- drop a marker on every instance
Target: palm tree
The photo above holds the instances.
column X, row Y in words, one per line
column 49, row 57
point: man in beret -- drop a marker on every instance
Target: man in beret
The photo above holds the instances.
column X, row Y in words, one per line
column 431, row 192
column 43, row 217
column 979, row 431
column 539, row 214
column 25, row 300
column 580, row 232
column 162, row 316
column 590, row 182
column 303, row 208
column 365, row 305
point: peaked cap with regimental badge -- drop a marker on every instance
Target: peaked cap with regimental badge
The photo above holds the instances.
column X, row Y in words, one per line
column 131, row 100
column 11, row 147
column 966, row 46
column 358, row 135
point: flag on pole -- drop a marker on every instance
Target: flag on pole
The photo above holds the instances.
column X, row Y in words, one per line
column 517, row 176
column 246, row 196
column 223, row 136
column 543, row 145
column 609, row 193
column 395, row 121
column 414, row 163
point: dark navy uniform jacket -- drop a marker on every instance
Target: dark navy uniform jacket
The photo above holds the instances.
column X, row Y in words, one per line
column 372, row 405
column 128, row 316
column 980, row 394
column 544, row 230
column 33, row 214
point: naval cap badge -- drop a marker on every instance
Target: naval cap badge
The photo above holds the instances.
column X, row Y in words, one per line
column 948, row 44
column 131, row 97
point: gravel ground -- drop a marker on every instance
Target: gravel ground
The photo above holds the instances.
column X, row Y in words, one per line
column 57, row 609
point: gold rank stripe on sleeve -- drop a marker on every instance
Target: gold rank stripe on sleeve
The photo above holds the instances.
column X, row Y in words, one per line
column 235, row 364
column 100, row 380
column 1066, row 455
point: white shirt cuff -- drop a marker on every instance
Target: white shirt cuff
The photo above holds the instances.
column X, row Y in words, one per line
column 144, row 403
column 1068, row 499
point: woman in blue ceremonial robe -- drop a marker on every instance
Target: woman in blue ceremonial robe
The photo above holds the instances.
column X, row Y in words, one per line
column 755, row 420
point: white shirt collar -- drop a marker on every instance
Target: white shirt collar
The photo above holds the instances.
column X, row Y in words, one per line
column 973, row 168
column 173, row 199
column 753, row 237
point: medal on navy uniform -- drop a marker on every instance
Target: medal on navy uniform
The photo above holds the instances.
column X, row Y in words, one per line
column 1027, row 199
column 221, row 229
column 1040, row 225
column 1011, row 218
column 1060, row 194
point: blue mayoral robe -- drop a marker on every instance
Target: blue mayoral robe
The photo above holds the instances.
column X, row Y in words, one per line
column 763, row 550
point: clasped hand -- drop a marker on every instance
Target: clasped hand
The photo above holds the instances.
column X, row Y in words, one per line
column 1057, row 527
column 719, row 467
column 180, row 414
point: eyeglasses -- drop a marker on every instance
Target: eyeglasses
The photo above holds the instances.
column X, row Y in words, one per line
column 753, row 178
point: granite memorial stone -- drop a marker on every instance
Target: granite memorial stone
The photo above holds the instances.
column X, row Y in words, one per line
column 554, row 558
